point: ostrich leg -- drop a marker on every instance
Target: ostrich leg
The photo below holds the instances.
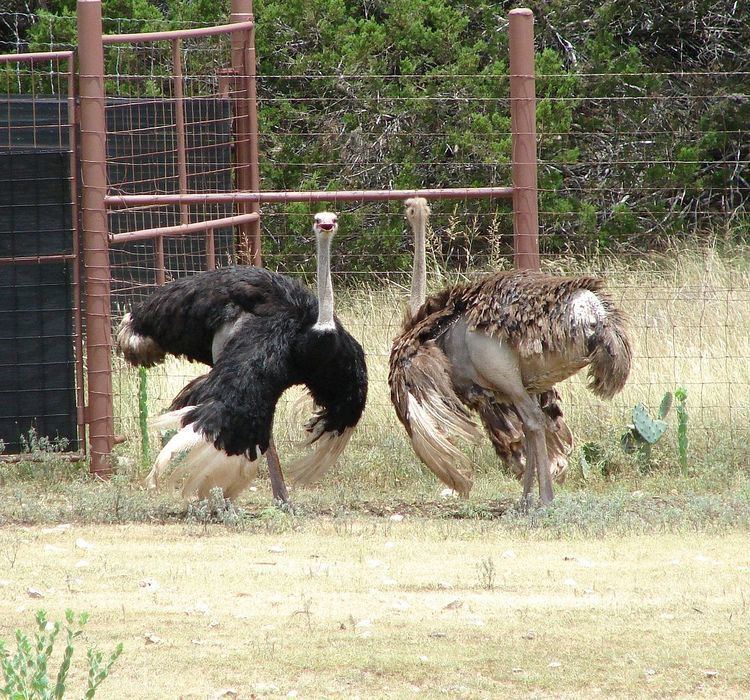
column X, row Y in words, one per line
column 537, row 459
column 496, row 367
column 278, row 485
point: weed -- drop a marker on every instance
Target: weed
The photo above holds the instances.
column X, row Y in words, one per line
column 682, row 427
column 26, row 673
column 486, row 573
column 306, row 610
column 212, row 510
column 143, row 414
column 35, row 444
column 276, row 520
column 11, row 548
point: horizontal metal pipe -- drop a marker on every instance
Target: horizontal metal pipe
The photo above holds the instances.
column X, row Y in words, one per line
column 39, row 56
column 148, row 200
column 182, row 229
column 37, row 259
column 176, row 33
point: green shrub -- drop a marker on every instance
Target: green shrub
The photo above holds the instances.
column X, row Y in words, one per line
column 26, row 673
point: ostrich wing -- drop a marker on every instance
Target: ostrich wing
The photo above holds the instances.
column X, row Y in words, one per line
column 233, row 405
column 182, row 317
column 225, row 417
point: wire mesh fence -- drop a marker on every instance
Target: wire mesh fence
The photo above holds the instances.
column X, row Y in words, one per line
column 40, row 359
column 673, row 257
column 643, row 177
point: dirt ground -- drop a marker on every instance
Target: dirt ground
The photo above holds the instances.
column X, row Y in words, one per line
column 389, row 607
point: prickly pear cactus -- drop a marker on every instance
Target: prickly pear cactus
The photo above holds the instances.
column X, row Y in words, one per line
column 650, row 429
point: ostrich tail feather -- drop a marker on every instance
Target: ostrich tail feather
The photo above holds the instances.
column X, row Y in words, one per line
column 433, row 427
column 328, row 448
column 138, row 350
column 427, row 405
column 611, row 356
column 169, row 420
column 202, row 468
column 300, row 408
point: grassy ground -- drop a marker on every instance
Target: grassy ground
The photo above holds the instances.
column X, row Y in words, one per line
column 689, row 325
column 634, row 583
column 370, row 607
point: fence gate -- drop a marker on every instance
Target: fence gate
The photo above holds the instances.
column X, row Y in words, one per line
column 41, row 376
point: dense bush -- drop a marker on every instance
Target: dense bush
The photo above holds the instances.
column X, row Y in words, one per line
column 643, row 117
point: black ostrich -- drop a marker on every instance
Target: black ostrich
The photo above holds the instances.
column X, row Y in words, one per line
column 261, row 332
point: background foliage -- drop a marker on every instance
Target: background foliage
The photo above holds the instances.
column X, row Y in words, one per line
column 643, row 118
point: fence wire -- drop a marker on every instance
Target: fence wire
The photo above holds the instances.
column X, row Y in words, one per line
column 644, row 177
column 636, row 200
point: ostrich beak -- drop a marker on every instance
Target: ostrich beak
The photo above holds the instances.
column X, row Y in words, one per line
column 325, row 222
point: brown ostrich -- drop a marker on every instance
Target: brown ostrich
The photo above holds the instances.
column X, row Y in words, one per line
column 501, row 421
column 498, row 346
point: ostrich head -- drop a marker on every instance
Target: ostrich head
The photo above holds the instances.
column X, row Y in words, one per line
column 417, row 210
column 326, row 224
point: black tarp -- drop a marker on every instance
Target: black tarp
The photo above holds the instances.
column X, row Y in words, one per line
column 37, row 369
column 37, row 384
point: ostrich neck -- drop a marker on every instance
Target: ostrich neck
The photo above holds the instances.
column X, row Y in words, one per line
column 419, row 273
column 325, row 287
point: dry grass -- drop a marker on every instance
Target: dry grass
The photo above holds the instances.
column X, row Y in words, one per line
column 369, row 607
column 606, row 593
column 690, row 324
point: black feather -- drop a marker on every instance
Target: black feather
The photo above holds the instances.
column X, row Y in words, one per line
column 274, row 347
column 183, row 316
column 336, row 374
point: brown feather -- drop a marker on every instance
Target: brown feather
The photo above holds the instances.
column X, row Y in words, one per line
column 432, row 413
column 505, row 430
column 535, row 314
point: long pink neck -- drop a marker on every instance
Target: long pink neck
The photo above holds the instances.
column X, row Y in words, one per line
column 419, row 273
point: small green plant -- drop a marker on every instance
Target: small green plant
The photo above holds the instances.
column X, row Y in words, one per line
column 486, row 573
column 214, row 509
column 143, row 413
column 682, row 426
column 39, row 445
column 644, row 432
column 592, row 456
column 26, row 674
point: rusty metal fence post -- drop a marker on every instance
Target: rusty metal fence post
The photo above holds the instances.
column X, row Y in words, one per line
column 523, row 126
column 246, row 126
column 100, row 410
